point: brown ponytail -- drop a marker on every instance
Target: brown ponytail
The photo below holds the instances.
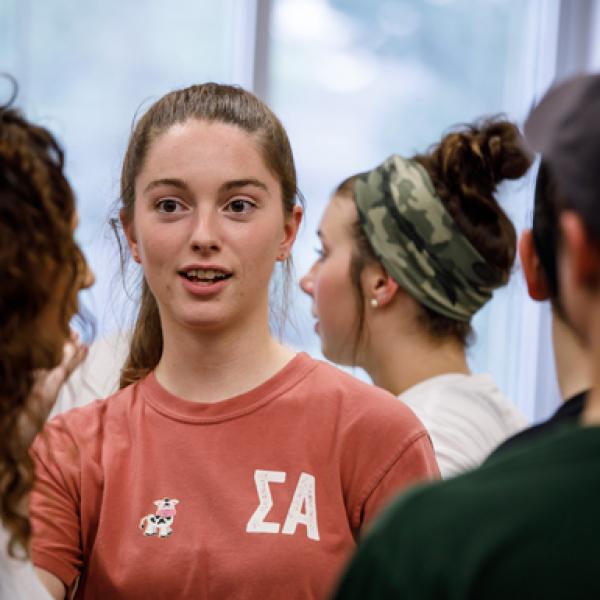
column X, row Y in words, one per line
column 146, row 344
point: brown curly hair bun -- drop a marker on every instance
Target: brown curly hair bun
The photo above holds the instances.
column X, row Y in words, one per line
column 466, row 167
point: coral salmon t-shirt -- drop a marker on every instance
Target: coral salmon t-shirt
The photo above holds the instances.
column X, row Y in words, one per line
column 147, row 495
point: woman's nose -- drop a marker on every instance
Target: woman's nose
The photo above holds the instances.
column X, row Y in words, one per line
column 204, row 237
column 86, row 276
column 89, row 278
column 307, row 283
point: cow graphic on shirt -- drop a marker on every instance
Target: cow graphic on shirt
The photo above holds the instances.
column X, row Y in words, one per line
column 160, row 522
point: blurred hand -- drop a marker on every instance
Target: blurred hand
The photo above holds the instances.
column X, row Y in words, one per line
column 47, row 384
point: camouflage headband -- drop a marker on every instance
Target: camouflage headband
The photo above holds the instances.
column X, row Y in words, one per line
column 418, row 241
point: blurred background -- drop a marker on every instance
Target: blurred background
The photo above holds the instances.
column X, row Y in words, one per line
column 352, row 80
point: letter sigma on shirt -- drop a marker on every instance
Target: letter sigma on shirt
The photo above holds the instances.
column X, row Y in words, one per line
column 302, row 510
column 257, row 523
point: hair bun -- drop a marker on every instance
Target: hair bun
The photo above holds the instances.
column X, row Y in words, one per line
column 506, row 150
column 466, row 167
column 476, row 158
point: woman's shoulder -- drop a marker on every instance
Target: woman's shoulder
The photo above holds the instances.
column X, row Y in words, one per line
column 486, row 402
column 360, row 400
column 474, row 394
column 80, row 435
column 333, row 379
column 90, row 421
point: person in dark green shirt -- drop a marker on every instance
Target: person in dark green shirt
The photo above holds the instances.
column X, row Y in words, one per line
column 527, row 523
column 537, row 251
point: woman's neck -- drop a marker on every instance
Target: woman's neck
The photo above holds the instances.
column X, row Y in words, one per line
column 211, row 366
column 396, row 361
column 571, row 359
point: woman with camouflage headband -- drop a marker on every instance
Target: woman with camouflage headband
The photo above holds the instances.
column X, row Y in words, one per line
column 410, row 252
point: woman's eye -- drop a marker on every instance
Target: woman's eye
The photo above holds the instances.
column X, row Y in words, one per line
column 168, row 205
column 320, row 253
column 240, row 206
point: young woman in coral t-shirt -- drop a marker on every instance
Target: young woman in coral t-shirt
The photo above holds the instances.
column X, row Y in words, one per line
column 227, row 466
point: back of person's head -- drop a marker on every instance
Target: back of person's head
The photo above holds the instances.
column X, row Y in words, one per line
column 545, row 229
column 447, row 241
column 538, row 249
column 209, row 102
column 539, row 245
column 37, row 250
column 565, row 129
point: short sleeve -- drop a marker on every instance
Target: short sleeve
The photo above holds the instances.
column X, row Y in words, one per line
column 54, row 503
column 415, row 463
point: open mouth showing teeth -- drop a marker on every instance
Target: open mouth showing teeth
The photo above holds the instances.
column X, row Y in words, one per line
column 205, row 275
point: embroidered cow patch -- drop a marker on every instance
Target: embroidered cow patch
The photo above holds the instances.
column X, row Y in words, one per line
column 161, row 522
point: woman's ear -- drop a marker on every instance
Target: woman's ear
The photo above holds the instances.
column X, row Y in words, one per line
column 129, row 231
column 580, row 249
column 537, row 283
column 378, row 287
column 290, row 231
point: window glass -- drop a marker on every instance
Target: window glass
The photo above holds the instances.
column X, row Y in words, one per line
column 84, row 70
column 355, row 81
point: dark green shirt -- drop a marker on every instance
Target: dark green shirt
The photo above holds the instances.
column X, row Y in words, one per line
column 525, row 525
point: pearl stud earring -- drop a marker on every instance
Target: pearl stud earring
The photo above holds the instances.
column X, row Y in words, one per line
column 374, row 302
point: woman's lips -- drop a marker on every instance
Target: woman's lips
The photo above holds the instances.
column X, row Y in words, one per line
column 203, row 288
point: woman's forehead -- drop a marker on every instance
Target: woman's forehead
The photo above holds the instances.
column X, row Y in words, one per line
column 339, row 217
column 205, row 149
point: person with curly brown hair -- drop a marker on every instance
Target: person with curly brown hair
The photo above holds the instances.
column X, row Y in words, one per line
column 410, row 252
column 41, row 272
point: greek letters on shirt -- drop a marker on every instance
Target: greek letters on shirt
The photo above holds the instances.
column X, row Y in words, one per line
column 302, row 509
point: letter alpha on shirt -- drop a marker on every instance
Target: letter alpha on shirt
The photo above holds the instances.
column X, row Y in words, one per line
column 302, row 510
column 304, row 496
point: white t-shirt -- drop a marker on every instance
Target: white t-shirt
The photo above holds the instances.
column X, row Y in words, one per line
column 98, row 375
column 18, row 580
column 467, row 417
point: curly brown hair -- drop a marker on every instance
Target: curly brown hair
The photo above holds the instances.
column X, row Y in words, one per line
column 37, row 210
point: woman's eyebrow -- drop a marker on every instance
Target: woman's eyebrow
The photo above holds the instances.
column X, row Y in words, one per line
column 228, row 185
column 177, row 183
column 238, row 183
